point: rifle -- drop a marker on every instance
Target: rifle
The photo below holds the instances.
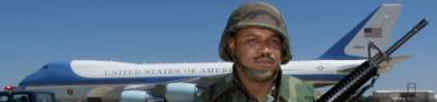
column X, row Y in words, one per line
column 351, row 86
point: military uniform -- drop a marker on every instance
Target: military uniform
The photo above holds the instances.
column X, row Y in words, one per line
column 230, row 89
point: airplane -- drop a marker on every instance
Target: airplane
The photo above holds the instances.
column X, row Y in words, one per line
column 112, row 81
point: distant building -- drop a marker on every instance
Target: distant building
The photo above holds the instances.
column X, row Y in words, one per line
column 403, row 96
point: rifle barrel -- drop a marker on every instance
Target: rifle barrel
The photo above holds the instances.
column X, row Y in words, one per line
column 363, row 73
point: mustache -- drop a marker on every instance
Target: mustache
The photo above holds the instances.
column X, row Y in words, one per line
column 269, row 56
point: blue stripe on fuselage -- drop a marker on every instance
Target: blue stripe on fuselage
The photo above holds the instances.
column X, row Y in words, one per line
column 60, row 73
column 319, row 77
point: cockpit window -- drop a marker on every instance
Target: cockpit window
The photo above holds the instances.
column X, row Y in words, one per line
column 45, row 67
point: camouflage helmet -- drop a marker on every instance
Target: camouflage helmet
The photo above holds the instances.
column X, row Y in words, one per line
column 257, row 14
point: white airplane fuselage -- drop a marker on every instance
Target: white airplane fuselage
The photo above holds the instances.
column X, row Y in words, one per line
column 78, row 78
column 103, row 72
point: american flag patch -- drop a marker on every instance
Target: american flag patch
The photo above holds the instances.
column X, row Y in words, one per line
column 373, row 32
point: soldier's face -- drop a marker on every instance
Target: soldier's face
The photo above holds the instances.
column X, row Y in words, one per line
column 257, row 48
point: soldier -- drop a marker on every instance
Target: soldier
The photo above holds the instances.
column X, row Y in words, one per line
column 256, row 40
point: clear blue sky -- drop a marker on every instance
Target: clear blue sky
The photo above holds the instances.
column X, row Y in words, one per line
column 34, row 33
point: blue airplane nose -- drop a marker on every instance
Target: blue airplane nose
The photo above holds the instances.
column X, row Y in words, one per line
column 49, row 74
column 35, row 78
column 29, row 79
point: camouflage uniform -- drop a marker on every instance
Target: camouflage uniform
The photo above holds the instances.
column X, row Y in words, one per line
column 228, row 88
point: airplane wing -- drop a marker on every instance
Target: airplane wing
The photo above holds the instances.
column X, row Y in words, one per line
column 384, row 67
column 388, row 65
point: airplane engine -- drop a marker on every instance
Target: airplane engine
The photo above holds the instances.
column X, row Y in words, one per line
column 138, row 96
column 180, row 92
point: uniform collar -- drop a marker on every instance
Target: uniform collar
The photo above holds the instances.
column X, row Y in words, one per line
column 232, row 82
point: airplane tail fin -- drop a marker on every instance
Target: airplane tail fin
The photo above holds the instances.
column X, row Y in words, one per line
column 374, row 28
